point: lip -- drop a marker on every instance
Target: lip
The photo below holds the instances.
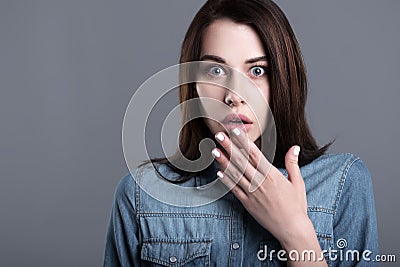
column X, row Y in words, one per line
column 245, row 123
column 244, row 127
column 238, row 116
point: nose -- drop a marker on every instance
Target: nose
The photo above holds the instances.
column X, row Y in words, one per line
column 239, row 83
column 233, row 98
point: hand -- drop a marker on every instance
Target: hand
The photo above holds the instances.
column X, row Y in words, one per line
column 276, row 203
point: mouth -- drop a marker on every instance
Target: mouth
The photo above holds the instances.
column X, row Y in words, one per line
column 232, row 121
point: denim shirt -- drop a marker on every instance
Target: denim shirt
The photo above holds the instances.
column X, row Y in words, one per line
column 143, row 231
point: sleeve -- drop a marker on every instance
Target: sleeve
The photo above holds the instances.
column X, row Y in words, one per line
column 122, row 238
column 355, row 225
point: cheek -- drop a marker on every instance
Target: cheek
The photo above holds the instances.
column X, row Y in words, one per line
column 212, row 103
column 263, row 86
column 210, row 91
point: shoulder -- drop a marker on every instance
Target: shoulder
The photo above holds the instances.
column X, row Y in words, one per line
column 332, row 162
column 337, row 185
column 126, row 190
column 131, row 179
column 355, row 186
column 332, row 167
column 352, row 175
column 141, row 177
column 329, row 174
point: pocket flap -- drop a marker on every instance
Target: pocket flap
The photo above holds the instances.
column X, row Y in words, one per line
column 174, row 252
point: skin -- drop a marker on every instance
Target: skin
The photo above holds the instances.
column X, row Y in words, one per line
column 249, row 97
column 278, row 204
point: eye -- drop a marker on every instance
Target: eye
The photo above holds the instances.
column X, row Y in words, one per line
column 258, row 71
column 216, row 71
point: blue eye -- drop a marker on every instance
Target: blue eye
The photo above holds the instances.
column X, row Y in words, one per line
column 216, row 71
column 258, row 71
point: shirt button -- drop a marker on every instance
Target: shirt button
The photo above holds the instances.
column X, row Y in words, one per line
column 235, row 245
column 172, row 259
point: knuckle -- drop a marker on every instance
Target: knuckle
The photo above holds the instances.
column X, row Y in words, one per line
column 241, row 161
column 236, row 178
column 253, row 154
column 235, row 190
column 292, row 161
column 227, row 144
column 271, row 178
column 236, row 173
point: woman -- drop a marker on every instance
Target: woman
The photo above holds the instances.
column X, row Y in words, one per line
column 306, row 204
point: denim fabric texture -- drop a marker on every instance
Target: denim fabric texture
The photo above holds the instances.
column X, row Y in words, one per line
column 143, row 231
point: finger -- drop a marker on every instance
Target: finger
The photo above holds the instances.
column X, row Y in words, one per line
column 233, row 187
column 241, row 139
column 227, row 144
column 292, row 166
column 256, row 157
column 231, row 169
column 222, row 139
column 235, row 155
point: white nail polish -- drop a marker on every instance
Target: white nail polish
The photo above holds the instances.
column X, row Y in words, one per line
column 220, row 174
column 236, row 131
column 220, row 137
column 216, row 153
column 296, row 151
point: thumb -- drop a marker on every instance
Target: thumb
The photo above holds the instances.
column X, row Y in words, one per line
column 292, row 166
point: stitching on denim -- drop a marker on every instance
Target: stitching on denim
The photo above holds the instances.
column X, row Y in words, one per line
column 144, row 251
column 139, row 174
column 146, row 258
column 186, row 260
column 230, row 233
column 183, row 215
column 330, row 246
column 203, row 251
column 343, row 180
column 156, row 240
column 323, row 235
column 320, row 209
column 209, row 260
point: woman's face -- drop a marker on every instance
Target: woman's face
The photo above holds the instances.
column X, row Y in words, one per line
column 226, row 43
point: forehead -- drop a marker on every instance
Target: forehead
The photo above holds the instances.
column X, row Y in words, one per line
column 229, row 39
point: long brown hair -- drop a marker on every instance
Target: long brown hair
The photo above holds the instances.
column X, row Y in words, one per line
column 287, row 78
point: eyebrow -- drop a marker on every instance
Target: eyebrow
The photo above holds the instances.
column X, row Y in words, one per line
column 221, row 60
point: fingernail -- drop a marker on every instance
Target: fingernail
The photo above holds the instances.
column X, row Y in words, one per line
column 296, row 151
column 220, row 174
column 220, row 137
column 216, row 153
column 236, row 131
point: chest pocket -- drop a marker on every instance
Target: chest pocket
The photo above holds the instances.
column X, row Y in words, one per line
column 176, row 252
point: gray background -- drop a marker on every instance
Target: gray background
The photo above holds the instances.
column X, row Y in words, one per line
column 69, row 68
